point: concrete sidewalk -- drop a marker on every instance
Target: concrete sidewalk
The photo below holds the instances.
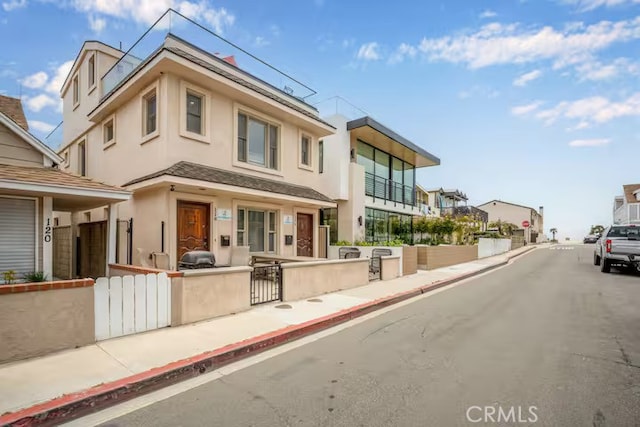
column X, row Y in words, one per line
column 66, row 381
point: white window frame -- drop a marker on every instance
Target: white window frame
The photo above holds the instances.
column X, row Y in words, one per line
column 251, row 113
column 267, row 232
column 154, row 88
column 92, row 87
column 75, row 90
column 301, row 164
column 205, row 137
column 106, row 144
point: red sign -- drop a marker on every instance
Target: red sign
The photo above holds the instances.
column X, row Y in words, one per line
column 525, row 224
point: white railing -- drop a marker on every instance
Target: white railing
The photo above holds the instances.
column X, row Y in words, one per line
column 621, row 215
column 131, row 304
column 634, row 212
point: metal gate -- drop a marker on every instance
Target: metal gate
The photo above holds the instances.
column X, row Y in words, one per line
column 266, row 283
column 375, row 263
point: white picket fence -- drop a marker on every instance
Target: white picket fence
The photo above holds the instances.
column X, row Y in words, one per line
column 131, row 304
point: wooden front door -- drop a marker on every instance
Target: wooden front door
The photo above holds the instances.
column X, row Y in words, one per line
column 92, row 248
column 305, row 235
column 193, row 227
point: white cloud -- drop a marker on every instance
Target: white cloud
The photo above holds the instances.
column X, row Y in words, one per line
column 582, row 125
column 497, row 43
column 595, row 109
column 10, row 5
column 148, row 11
column 41, row 126
column 526, row 78
column 522, row 110
column 479, row 91
column 586, row 5
column 488, row 14
column 589, row 142
column 56, row 82
column 595, row 70
column 261, row 41
column 97, row 24
column 35, row 81
column 369, row 52
column 39, row 102
column 403, row 51
column 346, row 43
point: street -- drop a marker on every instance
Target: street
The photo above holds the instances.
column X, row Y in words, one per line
column 548, row 340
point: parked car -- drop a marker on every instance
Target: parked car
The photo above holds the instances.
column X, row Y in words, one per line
column 620, row 246
column 591, row 238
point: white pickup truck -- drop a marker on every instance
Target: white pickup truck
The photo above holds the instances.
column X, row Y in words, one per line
column 619, row 245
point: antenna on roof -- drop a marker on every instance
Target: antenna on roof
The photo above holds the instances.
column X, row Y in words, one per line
column 121, row 46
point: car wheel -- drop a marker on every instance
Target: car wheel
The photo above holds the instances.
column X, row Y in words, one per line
column 596, row 259
column 605, row 266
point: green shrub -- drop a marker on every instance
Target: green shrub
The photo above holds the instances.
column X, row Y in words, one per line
column 9, row 277
column 35, row 276
column 342, row 243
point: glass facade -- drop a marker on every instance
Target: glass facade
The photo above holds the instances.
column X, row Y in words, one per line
column 329, row 217
column 386, row 177
column 383, row 226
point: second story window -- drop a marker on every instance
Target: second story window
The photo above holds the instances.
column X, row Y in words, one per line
column 150, row 113
column 91, row 71
column 82, row 158
column 305, row 151
column 76, row 91
column 109, row 132
column 321, row 156
column 195, row 107
column 257, row 142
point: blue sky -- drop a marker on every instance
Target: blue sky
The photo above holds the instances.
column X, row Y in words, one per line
column 532, row 102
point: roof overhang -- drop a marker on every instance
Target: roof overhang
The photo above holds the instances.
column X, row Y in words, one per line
column 65, row 198
column 196, row 186
column 374, row 133
column 165, row 61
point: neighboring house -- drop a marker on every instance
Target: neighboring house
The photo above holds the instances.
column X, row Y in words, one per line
column 215, row 156
column 499, row 210
column 453, row 203
column 626, row 209
column 31, row 189
column 370, row 171
column 423, row 199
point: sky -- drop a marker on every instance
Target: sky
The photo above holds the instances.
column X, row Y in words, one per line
column 534, row 102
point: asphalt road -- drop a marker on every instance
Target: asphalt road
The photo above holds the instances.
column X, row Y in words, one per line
column 550, row 335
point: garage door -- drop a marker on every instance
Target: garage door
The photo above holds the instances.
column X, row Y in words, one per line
column 17, row 235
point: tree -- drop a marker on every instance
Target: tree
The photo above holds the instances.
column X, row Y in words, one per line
column 505, row 229
column 596, row 229
column 554, row 231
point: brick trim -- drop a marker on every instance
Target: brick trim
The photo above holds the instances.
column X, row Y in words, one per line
column 45, row 286
column 145, row 270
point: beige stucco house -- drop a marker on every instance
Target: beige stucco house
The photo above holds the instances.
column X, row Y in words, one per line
column 215, row 157
column 32, row 187
column 516, row 214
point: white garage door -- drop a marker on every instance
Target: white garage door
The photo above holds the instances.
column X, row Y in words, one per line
column 17, row 235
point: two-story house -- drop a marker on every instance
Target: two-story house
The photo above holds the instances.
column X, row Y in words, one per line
column 626, row 209
column 215, row 156
column 454, row 203
column 499, row 210
column 370, row 171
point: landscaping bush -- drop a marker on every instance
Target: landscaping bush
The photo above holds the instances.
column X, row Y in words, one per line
column 35, row 276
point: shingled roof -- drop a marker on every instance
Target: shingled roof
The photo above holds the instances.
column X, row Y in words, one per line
column 52, row 176
column 220, row 176
column 12, row 108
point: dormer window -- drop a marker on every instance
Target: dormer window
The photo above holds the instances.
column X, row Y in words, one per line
column 91, row 72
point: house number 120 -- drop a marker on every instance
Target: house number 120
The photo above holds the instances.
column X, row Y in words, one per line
column 47, row 231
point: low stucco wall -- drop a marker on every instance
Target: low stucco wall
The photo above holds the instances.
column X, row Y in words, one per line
column 431, row 257
column 207, row 293
column 119, row 270
column 390, row 267
column 366, row 252
column 491, row 247
column 307, row 279
column 517, row 242
column 409, row 260
column 36, row 319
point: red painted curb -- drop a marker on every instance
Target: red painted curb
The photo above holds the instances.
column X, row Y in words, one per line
column 74, row 405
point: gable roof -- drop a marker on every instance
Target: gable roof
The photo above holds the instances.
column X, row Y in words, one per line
column 12, row 108
column 86, row 47
column 629, row 191
column 210, row 174
column 509, row 203
column 30, row 139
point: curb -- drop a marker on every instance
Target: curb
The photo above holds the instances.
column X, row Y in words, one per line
column 74, row 405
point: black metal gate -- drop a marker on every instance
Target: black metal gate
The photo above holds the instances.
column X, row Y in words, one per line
column 375, row 263
column 266, row 283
